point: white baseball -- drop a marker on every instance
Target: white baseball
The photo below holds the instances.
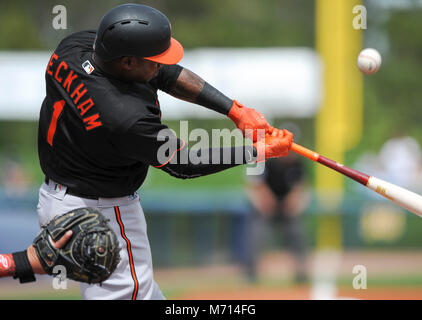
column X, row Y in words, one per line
column 369, row 61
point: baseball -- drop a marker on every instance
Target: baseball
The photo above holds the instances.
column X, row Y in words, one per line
column 369, row 61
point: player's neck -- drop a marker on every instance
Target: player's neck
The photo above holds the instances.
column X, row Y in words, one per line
column 108, row 68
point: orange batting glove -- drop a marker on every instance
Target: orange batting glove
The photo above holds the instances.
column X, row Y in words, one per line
column 274, row 145
column 248, row 120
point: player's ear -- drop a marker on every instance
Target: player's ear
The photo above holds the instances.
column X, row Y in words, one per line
column 127, row 63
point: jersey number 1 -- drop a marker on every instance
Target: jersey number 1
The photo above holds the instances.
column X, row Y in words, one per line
column 58, row 108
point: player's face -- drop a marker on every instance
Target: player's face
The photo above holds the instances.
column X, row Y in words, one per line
column 140, row 70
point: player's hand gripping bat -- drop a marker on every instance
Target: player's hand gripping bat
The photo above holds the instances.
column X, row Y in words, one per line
column 404, row 198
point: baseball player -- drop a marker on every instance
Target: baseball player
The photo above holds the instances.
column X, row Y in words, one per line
column 100, row 129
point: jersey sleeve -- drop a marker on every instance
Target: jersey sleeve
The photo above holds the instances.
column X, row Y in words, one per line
column 188, row 163
column 153, row 143
column 166, row 78
column 83, row 38
column 150, row 142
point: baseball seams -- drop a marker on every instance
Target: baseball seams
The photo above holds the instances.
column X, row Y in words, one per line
column 372, row 60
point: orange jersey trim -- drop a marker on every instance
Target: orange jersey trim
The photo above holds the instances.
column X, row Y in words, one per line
column 129, row 250
column 171, row 157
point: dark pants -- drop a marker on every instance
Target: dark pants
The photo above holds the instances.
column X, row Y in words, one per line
column 292, row 234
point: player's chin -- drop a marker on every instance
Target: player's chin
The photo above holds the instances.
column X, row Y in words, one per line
column 154, row 74
column 146, row 78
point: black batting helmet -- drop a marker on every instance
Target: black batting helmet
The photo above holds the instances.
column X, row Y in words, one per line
column 137, row 30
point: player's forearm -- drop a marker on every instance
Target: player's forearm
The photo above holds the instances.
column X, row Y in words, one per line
column 262, row 198
column 192, row 88
column 24, row 264
column 197, row 163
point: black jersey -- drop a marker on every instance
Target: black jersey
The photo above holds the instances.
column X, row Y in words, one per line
column 98, row 134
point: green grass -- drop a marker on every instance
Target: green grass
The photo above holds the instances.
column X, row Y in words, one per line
column 71, row 295
column 384, row 281
column 175, row 290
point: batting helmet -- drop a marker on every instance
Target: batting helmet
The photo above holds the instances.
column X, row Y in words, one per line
column 137, row 30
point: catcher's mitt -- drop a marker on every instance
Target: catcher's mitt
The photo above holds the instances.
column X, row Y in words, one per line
column 91, row 254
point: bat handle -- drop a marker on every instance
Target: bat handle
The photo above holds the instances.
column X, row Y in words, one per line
column 304, row 152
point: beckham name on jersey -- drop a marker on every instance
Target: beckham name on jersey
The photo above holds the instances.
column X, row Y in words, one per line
column 65, row 76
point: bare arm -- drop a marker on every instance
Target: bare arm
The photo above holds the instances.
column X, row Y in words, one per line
column 188, row 86
column 297, row 200
column 262, row 198
column 192, row 88
column 8, row 264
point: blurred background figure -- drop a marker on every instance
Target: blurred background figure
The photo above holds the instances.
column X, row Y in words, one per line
column 400, row 157
column 15, row 180
column 278, row 197
column 399, row 161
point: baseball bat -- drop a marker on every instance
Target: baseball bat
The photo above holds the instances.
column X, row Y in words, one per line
column 403, row 197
